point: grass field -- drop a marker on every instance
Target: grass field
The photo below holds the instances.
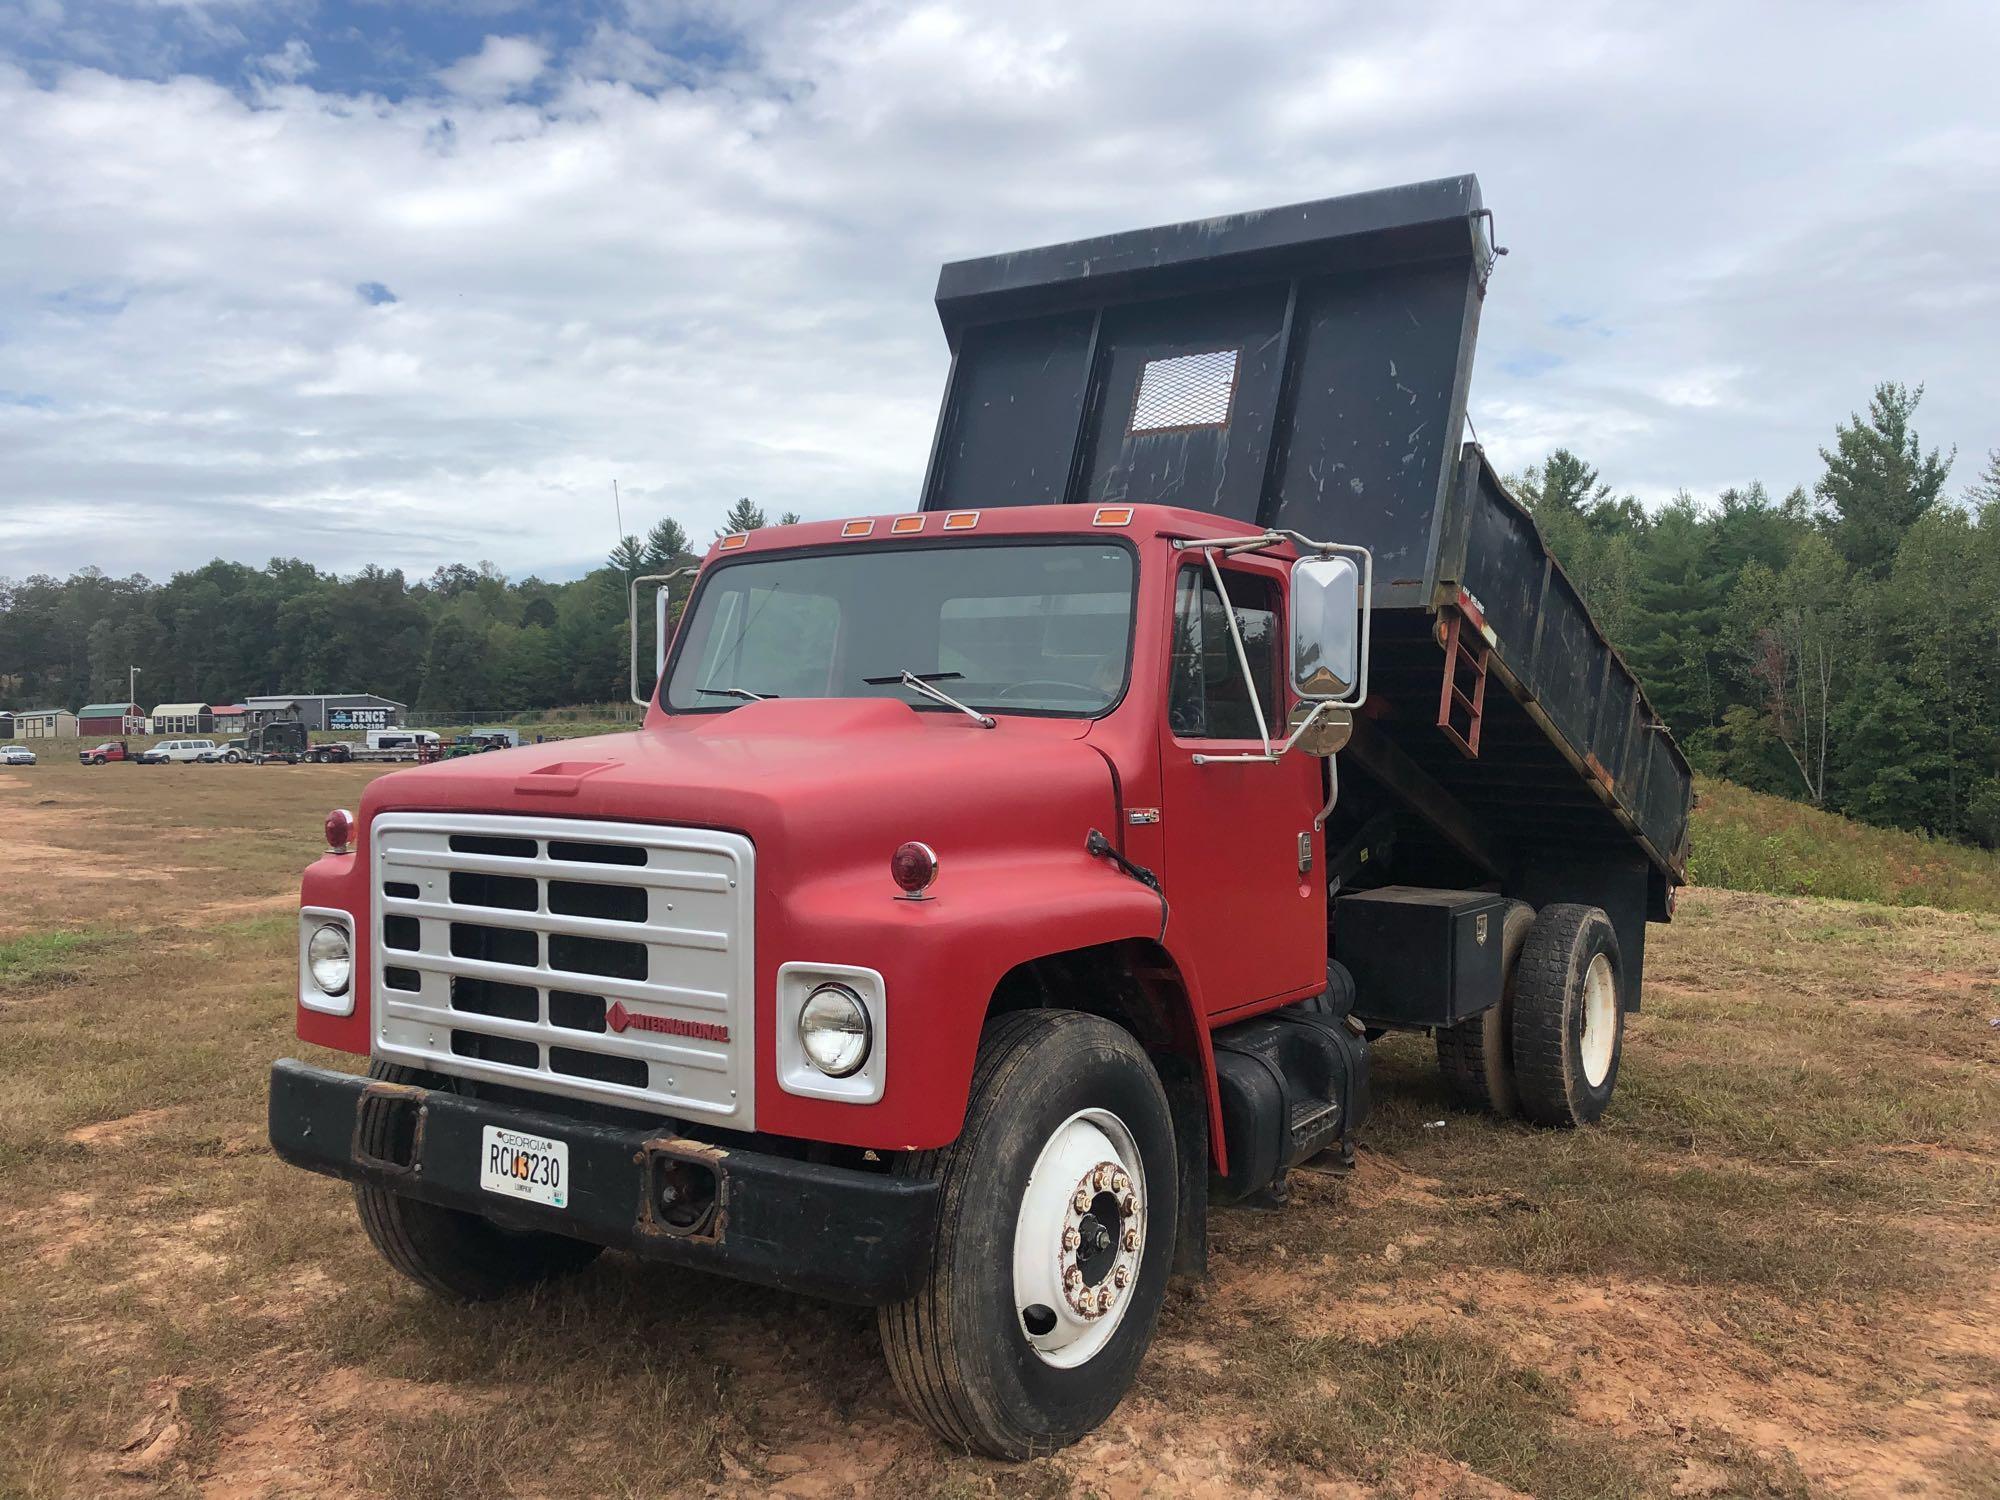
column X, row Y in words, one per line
column 1775, row 1271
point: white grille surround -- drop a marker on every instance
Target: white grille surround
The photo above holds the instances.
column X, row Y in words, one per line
column 603, row 961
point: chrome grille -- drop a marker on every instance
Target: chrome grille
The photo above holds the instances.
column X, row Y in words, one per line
column 604, row 961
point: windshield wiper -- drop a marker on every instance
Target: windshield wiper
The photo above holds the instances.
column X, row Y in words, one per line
column 920, row 684
column 736, row 692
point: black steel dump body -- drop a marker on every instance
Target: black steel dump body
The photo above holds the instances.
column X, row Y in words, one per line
column 1306, row 368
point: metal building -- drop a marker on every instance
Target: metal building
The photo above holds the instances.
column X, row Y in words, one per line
column 340, row 712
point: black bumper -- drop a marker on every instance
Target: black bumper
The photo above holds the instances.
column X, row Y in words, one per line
column 828, row 1231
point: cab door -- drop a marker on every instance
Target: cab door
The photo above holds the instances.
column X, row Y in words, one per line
column 1245, row 879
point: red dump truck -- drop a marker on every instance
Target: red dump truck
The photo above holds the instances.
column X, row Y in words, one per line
column 995, row 885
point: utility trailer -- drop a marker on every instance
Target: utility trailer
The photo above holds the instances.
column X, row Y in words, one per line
column 994, row 885
column 1306, row 369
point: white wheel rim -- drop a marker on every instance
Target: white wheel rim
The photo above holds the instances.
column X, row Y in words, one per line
column 1600, row 1019
column 1071, row 1287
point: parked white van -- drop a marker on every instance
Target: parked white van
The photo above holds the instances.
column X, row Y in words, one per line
column 174, row 750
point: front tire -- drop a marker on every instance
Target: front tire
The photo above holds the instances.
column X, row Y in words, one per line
column 459, row 1256
column 1035, row 1313
column 1569, row 1016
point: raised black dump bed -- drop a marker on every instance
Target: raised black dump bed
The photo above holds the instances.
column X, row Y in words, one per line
column 1306, row 368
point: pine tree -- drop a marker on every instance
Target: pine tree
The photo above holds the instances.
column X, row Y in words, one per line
column 629, row 556
column 1878, row 479
column 789, row 518
column 667, row 544
column 743, row 516
column 1985, row 490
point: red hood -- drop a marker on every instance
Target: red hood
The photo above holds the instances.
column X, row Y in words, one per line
column 837, row 779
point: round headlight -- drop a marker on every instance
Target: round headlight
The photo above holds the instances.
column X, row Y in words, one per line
column 835, row 1031
column 330, row 959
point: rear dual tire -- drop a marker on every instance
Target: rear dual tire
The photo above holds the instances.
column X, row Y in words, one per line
column 1476, row 1056
column 1035, row 1313
column 1549, row 1051
column 1569, row 1017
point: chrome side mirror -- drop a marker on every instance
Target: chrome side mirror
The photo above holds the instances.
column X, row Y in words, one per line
column 665, row 581
column 1329, row 609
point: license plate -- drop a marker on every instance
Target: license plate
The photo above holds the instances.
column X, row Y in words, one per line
column 518, row 1165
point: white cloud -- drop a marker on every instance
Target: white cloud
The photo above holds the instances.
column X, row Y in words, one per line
column 707, row 273
column 503, row 65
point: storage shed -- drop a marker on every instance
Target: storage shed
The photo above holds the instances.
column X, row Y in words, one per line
column 183, row 718
column 111, row 718
column 45, row 724
column 231, row 718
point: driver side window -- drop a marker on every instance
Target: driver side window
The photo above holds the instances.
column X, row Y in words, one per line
column 1208, row 698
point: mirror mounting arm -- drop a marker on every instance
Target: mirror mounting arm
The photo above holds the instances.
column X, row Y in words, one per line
column 1230, row 547
column 632, row 628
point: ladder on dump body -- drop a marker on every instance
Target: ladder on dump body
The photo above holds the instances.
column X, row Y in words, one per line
column 1462, row 697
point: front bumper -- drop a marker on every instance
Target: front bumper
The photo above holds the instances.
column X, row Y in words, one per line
column 827, row 1231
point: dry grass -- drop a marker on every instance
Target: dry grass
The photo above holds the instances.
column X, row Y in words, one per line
column 1771, row 1273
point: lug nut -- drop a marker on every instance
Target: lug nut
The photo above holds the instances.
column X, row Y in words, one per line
column 1081, row 1202
column 1128, row 1205
column 1100, row 1176
column 1131, row 1239
column 1120, row 1182
column 1121, row 1276
column 1104, row 1299
column 1071, row 1239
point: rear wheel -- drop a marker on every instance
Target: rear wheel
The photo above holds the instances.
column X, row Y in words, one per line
column 459, row 1256
column 1476, row 1056
column 1569, row 1020
column 1055, row 1238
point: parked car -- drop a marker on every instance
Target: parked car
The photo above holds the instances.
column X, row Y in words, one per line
column 105, row 753
column 175, row 751
column 16, row 755
column 228, row 752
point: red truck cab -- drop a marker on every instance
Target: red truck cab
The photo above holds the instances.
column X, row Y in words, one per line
column 992, row 886
column 105, row 753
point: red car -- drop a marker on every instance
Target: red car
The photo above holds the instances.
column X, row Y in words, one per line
column 109, row 751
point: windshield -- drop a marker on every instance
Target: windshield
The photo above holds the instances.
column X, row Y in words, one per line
column 1014, row 628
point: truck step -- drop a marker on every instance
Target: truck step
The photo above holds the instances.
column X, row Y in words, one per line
column 1315, row 1124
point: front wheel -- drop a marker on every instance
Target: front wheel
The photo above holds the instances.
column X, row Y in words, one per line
column 1055, row 1239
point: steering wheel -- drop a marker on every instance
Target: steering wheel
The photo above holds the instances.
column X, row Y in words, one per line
column 1077, row 689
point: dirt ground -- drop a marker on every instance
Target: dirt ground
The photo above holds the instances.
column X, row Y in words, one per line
column 1774, row 1271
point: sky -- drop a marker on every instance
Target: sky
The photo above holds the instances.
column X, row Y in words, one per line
column 413, row 283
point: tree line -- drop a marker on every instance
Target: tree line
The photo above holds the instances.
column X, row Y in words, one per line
column 1839, row 645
